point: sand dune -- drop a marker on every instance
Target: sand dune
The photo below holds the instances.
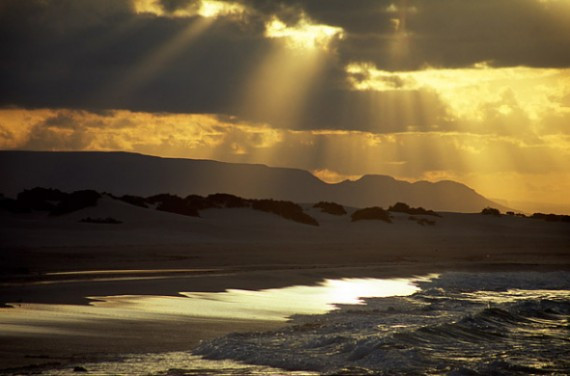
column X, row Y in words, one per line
column 245, row 237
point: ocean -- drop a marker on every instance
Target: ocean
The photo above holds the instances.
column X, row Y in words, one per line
column 455, row 323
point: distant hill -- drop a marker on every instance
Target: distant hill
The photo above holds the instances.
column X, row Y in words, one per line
column 128, row 173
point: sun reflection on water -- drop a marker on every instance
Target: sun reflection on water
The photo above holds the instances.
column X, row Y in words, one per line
column 277, row 304
column 270, row 304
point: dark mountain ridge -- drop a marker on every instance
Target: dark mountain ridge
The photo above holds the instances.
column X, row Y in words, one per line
column 129, row 173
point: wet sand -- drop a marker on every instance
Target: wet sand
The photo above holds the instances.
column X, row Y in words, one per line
column 78, row 339
column 76, row 343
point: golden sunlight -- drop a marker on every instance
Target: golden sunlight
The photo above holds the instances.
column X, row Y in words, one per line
column 332, row 177
column 262, row 186
column 305, row 34
column 276, row 90
column 203, row 8
column 468, row 90
column 212, row 8
column 532, row 170
column 278, row 87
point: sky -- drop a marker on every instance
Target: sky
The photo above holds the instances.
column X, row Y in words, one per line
column 472, row 91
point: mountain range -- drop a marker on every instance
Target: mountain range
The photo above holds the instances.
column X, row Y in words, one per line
column 136, row 174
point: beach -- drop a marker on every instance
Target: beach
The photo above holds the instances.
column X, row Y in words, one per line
column 61, row 262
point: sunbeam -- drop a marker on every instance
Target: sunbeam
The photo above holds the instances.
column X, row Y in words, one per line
column 277, row 90
column 156, row 61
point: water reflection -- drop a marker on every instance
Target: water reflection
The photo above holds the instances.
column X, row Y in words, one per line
column 179, row 364
column 269, row 304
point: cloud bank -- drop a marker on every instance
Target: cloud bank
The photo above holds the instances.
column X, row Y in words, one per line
column 474, row 91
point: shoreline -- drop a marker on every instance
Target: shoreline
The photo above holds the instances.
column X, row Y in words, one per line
column 77, row 287
column 79, row 341
column 60, row 260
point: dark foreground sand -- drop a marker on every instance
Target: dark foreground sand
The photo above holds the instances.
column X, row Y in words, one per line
column 226, row 249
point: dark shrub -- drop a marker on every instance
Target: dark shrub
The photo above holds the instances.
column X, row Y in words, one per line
column 512, row 213
column 373, row 213
column 76, row 201
column 39, row 198
column 134, row 200
column 546, row 217
column 330, row 208
column 491, row 211
column 13, row 206
column 551, row 217
column 173, row 204
column 225, row 200
column 108, row 220
column 285, row 209
column 198, row 202
column 401, row 207
column 156, row 199
column 192, row 203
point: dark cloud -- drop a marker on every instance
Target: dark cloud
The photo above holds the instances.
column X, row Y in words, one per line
column 76, row 65
column 71, row 53
column 450, row 33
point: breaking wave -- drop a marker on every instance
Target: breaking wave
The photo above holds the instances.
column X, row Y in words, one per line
column 457, row 324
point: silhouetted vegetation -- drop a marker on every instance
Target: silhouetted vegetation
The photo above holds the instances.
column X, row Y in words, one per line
column 422, row 221
column 134, row 200
column 51, row 200
column 372, row 213
column 330, row 208
column 551, row 217
column 224, row 200
column 513, row 214
column 491, row 211
column 401, row 207
column 173, row 204
column 193, row 203
column 58, row 203
column 198, row 202
column 108, row 220
column 76, row 201
column 13, row 206
column 285, row 209
column 42, row 199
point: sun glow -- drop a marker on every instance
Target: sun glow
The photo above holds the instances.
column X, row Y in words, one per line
column 528, row 169
column 332, row 177
column 212, row 8
column 203, row 8
column 304, row 35
column 472, row 91
column 277, row 89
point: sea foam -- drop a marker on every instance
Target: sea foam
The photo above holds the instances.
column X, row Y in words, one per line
column 457, row 324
